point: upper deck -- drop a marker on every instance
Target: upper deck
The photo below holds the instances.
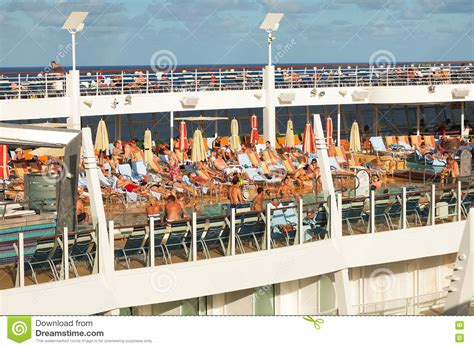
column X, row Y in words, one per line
column 30, row 95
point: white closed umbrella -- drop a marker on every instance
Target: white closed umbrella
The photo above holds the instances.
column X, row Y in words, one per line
column 101, row 137
column 290, row 135
column 234, row 135
column 354, row 143
column 147, row 147
column 198, row 152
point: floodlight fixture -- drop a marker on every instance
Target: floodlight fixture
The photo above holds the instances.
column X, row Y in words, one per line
column 74, row 24
column 270, row 24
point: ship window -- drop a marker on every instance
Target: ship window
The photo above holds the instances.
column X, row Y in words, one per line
column 263, row 299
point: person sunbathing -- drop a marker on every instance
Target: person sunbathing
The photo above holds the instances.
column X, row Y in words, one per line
column 302, row 177
column 220, row 164
column 286, row 191
column 126, row 184
column 174, row 171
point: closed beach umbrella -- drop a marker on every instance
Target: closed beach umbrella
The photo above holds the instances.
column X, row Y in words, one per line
column 328, row 131
column 254, row 130
column 102, row 137
column 147, row 147
column 309, row 146
column 183, row 137
column 4, row 159
column 290, row 135
column 198, row 152
column 355, row 138
column 234, row 135
column 48, row 151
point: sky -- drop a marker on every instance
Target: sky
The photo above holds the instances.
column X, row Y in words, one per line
column 213, row 32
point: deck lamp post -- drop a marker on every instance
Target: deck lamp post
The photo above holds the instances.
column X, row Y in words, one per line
column 270, row 24
column 74, row 24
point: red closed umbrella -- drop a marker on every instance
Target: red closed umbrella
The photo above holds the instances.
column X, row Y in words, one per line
column 254, row 129
column 4, row 159
column 328, row 131
column 183, row 137
column 309, row 146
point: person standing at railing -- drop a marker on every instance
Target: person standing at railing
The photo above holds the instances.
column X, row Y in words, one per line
column 56, row 68
column 258, row 200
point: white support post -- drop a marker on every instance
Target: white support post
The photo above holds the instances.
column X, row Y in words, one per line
column 104, row 262
column 171, row 130
column 339, row 203
column 194, row 236
column 269, row 129
column 417, row 120
column 339, row 125
column 326, row 177
column 343, row 292
column 74, row 94
column 458, row 202
column 268, row 228
column 300, row 236
column 433, row 205
column 462, row 119
column 65, row 272
column 404, row 208
column 151, row 238
column 21, row 260
column 232, row 233
column 372, row 211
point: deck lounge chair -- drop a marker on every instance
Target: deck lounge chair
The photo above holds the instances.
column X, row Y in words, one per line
column 134, row 247
column 215, row 235
column 40, row 260
column 177, row 239
column 382, row 205
column 352, row 211
column 250, row 226
column 82, row 250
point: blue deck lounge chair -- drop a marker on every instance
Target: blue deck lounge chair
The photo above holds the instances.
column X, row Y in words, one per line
column 352, row 211
column 134, row 247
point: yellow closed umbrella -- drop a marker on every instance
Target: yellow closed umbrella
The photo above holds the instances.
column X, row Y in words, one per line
column 147, row 147
column 234, row 135
column 354, row 144
column 48, row 151
column 198, row 152
column 290, row 135
column 101, row 137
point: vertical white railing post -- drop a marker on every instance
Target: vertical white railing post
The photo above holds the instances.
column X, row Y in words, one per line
column 404, row 208
column 372, row 211
column 123, row 82
column 21, row 260
column 194, row 236
column 19, row 86
column 111, row 239
column 220, row 79
column 171, row 78
column 65, row 272
column 357, row 79
column 268, row 228
column 151, row 238
column 458, row 202
column 195, row 80
column 300, row 236
column 147, row 81
column 339, row 203
column 45, row 85
column 433, row 205
column 97, row 83
column 232, row 232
